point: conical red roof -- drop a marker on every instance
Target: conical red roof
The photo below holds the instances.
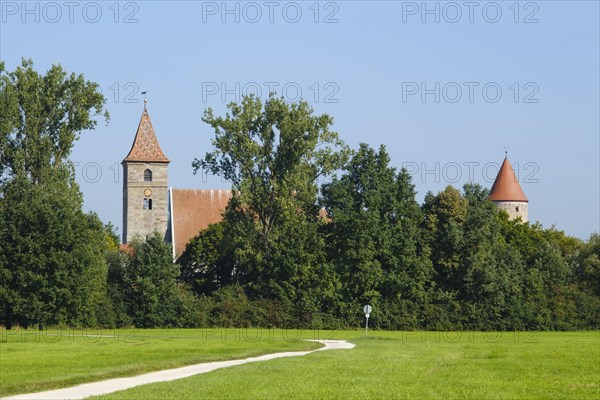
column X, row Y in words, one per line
column 506, row 186
column 145, row 146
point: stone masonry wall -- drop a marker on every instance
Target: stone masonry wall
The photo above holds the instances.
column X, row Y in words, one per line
column 514, row 209
column 136, row 220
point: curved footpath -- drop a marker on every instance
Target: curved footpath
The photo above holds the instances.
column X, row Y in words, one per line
column 114, row 385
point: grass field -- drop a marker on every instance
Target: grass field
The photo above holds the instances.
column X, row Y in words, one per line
column 31, row 362
column 411, row 365
column 448, row 365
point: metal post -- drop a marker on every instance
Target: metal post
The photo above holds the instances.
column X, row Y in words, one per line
column 367, row 327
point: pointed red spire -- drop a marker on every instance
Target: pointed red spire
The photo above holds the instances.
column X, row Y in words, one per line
column 145, row 146
column 506, row 186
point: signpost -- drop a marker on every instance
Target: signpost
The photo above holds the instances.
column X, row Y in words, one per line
column 367, row 309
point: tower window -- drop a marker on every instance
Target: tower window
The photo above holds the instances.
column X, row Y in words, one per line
column 147, row 203
column 517, row 208
column 147, row 176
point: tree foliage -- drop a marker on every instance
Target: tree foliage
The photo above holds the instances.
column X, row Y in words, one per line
column 145, row 280
column 42, row 117
column 52, row 268
column 455, row 262
column 373, row 238
column 287, row 253
column 207, row 264
column 273, row 155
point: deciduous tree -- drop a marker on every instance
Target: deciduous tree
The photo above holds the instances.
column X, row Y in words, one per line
column 52, row 255
column 273, row 155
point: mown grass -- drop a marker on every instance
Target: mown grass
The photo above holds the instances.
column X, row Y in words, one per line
column 31, row 361
column 506, row 365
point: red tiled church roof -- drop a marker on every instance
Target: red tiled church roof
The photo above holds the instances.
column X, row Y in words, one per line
column 192, row 210
column 506, row 186
column 145, row 146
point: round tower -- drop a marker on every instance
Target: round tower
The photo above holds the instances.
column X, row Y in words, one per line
column 507, row 195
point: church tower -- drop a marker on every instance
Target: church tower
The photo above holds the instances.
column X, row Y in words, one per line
column 507, row 194
column 145, row 191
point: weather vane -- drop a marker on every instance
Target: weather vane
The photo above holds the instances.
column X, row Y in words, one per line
column 145, row 99
column 506, row 152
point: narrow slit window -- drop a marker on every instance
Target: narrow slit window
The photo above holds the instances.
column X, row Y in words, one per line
column 149, row 204
column 517, row 209
column 147, row 176
column 145, row 204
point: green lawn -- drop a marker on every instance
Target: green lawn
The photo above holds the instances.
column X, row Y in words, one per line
column 505, row 365
column 30, row 362
column 386, row 364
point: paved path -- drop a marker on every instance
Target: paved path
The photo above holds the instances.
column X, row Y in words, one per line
column 113, row 385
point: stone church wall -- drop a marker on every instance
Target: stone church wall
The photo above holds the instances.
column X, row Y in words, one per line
column 138, row 221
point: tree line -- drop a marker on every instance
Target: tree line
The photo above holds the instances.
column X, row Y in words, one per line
column 289, row 252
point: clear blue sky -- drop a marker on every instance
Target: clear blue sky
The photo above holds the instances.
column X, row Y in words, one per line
column 376, row 67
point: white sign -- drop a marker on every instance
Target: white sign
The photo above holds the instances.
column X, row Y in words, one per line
column 367, row 309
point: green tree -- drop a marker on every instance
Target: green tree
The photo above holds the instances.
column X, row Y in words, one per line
column 413, row 279
column 273, row 155
column 51, row 258
column 555, row 295
column 207, row 264
column 374, row 239
column 444, row 216
column 42, row 117
column 490, row 275
column 54, row 271
column 360, row 243
column 118, row 262
column 149, row 283
column 112, row 238
column 589, row 265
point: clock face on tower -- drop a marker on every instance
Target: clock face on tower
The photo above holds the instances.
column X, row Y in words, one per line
column 147, row 192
